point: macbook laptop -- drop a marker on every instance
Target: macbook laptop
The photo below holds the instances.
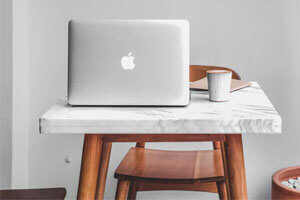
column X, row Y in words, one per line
column 128, row 63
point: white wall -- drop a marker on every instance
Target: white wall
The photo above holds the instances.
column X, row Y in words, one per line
column 20, row 94
column 5, row 92
column 259, row 39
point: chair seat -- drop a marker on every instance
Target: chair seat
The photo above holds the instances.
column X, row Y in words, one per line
column 161, row 165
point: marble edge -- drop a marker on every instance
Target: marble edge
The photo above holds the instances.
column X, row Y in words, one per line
column 232, row 130
column 48, row 125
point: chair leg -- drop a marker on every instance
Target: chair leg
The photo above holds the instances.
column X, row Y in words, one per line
column 122, row 189
column 220, row 145
column 140, row 144
column 132, row 190
column 222, row 190
column 217, row 145
column 225, row 170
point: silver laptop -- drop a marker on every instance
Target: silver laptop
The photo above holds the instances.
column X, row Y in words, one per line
column 128, row 62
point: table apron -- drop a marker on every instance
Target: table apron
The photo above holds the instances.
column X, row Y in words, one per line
column 162, row 137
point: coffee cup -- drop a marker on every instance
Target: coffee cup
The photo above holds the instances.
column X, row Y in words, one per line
column 219, row 82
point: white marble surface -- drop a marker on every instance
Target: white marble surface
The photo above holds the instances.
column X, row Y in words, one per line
column 248, row 111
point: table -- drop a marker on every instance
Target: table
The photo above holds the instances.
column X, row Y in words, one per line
column 249, row 111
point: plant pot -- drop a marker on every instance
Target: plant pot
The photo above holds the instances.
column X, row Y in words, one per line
column 280, row 191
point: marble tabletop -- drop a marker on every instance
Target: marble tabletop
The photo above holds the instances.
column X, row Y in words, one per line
column 248, row 111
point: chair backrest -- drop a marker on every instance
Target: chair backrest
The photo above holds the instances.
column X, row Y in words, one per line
column 199, row 71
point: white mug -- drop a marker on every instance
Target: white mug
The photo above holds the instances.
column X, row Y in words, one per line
column 219, row 82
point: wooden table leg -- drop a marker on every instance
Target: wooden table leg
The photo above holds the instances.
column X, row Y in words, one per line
column 105, row 156
column 90, row 160
column 236, row 167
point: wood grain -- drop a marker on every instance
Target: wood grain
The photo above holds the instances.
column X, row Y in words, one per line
column 235, row 166
column 140, row 144
column 222, row 144
column 163, row 137
column 122, row 189
column 222, row 190
column 43, row 193
column 217, row 145
column 148, row 164
column 199, row 71
column 89, row 166
column 197, row 186
column 104, row 162
column 132, row 190
column 82, row 192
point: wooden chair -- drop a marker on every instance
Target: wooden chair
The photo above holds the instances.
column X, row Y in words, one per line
column 45, row 193
column 147, row 170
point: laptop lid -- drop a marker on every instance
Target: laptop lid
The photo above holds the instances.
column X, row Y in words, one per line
column 128, row 62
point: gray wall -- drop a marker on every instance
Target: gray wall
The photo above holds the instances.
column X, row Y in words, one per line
column 5, row 92
column 259, row 39
column 20, row 94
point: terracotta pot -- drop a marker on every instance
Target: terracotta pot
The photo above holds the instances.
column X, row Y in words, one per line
column 280, row 191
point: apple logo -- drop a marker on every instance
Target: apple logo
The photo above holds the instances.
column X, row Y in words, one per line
column 127, row 62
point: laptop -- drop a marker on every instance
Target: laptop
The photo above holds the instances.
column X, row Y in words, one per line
column 128, row 63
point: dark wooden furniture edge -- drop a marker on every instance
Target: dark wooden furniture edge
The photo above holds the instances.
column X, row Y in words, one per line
column 40, row 193
column 165, row 137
